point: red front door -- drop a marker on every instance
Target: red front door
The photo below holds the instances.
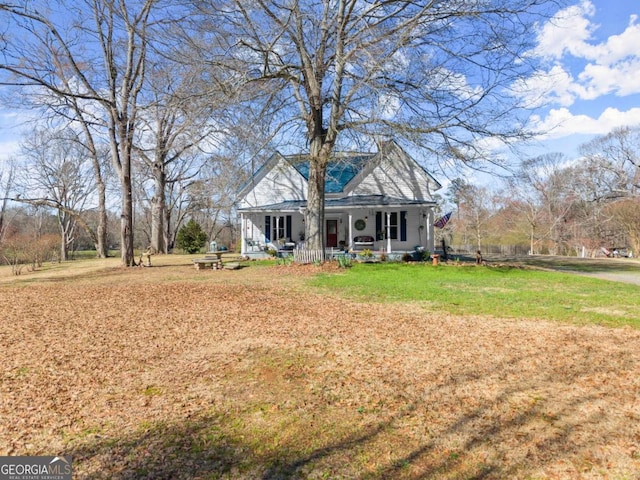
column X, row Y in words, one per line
column 332, row 233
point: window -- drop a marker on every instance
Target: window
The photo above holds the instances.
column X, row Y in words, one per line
column 381, row 225
column 393, row 225
column 278, row 225
column 277, row 228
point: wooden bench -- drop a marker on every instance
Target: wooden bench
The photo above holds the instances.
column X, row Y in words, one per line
column 363, row 241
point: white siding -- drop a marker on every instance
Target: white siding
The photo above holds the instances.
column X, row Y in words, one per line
column 282, row 182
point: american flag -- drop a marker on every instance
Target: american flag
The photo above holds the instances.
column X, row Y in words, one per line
column 442, row 221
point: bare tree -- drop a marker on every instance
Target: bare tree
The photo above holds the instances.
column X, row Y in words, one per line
column 547, row 177
column 525, row 201
column 609, row 183
column 213, row 198
column 76, row 117
column 90, row 50
column 7, row 177
column 435, row 75
column 474, row 211
column 57, row 175
column 174, row 127
column 90, row 139
column 626, row 214
column 616, row 156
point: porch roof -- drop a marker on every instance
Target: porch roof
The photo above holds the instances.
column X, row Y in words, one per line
column 355, row 201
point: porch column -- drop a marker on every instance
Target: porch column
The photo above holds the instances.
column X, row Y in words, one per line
column 430, row 239
column 243, row 234
column 388, row 232
column 277, row 230
column 350, row 232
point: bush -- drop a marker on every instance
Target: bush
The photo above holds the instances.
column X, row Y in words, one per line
column 285, row 260
column 344, row 261
column 191, row 238
column 22, row 250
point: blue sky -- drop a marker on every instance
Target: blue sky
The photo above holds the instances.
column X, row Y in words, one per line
column 590, row 80
column 591, row 75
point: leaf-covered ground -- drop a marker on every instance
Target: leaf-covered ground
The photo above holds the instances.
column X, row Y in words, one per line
column 171, row 373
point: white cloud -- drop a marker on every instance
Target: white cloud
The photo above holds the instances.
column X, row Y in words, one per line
column 556, row 86
column 618, row 47
column 620, row 79
column 565, row 41
column 567, row 32
column 8, row 149
column 388, row 106
column 561, row 122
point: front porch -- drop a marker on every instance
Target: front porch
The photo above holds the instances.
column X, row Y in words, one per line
column 377, row 223
column 332, row 254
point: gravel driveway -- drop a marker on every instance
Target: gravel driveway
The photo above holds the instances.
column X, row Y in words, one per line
column 623, row 270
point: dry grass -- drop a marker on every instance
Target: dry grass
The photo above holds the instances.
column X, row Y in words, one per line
column 171, row 373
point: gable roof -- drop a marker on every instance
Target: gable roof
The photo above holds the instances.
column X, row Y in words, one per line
column 345, row 170
column 386, row 150
column 259, row 174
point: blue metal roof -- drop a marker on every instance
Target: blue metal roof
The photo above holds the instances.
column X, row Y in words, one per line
column 340, row 170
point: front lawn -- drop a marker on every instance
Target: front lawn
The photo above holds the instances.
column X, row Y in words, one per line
column 499, row 291
column 172, row 372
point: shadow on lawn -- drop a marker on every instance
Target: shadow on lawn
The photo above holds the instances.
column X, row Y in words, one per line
column 213, row 446
column 200, row 449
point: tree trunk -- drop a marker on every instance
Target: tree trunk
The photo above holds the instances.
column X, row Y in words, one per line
column 100, row 241
column 126, row 219
column 64, row 249
column 64, row 222
column 5, row 199
column 314, row 215
column 158, row 206
column 168, row 234
column 102, row 249
column 531, row 242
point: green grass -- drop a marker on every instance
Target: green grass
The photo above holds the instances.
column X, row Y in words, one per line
column 503, row 292
column 90, row 254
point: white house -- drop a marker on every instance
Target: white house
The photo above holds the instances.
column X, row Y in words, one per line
column 382, row 201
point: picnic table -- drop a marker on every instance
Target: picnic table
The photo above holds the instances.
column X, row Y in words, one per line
column 211, row 260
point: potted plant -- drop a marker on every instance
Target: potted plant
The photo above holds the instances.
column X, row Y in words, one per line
column 366, row 256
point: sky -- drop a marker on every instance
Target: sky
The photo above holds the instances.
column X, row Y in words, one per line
column 591, row 76
column 589, row 83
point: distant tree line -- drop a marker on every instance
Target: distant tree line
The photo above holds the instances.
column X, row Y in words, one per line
column 555, row 205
